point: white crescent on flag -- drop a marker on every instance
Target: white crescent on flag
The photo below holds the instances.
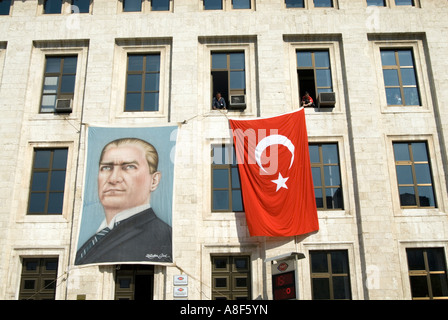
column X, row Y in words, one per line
column 270, row 141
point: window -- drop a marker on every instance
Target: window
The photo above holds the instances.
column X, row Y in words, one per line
column 400, row 78
column 59, row 81
column 160, row 5
column 5, row 6
column 404, row 3
column 38, row 279
column 427, row 273
column 323, row 3
column 134, row 282
column 326, row 176
column 295, row 3
column 228, row 74
column 83, row 6
column 414, row 174
column 132, row 5
column 241, row 4
column 226, row 188
column 142, row 82
column 48, row 181
column 377, row 3
column 330, row 275
column 52, row 6
column 212, row 4
column 314, row 72
column 231, row 278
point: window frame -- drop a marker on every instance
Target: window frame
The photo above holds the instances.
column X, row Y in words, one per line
column 145, row 7
column 47, row 190
column 246, row 44
column 59, row 75
column 231, row 274
column 229, row 153
column 415, row 184
column 426, row 272
column 40, row 276
column 398, row 68
column 305, row 43
column 321, row 166
column 143, row 46
column 144, row 72
column 329, row 274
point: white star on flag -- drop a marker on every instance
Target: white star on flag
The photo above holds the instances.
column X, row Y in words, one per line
column 280, row 182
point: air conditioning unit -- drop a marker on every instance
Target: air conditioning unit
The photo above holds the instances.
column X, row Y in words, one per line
column 237, row 102
column 63, row 106
column 326, row 100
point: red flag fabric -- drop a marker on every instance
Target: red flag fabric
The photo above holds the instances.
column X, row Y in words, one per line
column 275, row 173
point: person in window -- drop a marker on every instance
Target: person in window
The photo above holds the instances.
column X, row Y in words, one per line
column 218, row 102
column 307, row 101
column 131, row 231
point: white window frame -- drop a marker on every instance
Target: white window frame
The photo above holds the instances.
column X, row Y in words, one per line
column 41, row 50
column 333, row 48
column 124, row 47
column 420, row 68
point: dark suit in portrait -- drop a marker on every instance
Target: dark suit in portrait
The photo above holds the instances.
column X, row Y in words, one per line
column 142, row 237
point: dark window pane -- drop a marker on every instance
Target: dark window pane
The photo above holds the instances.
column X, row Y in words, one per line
column 419, row 286
column 393, row 96
column 319, row 262
column 334, row 198
column 319, row 198
column 330, row 153
column 323, row 78
column 406, row 58
column 436, row 259
column 317, row 177
column 221, row 200
column 341, row 287
column 40, row 181
column 241, row 4
column 407, row 196
column 5, row 6
column 401, row 151
column 220, row 282
column 212, row 4
column 404, row 2
column 135, row 63
column 151, row 101
column 29, row 284
column 415, row 259
column 237, row 60
column 37, row 203
column 391, row 77
column 152, row 82
column 237, row 80
column 52, row 6
column 304, row 59
column 160, row 5
column 68, row 84
column 134, row 82
column 321, row 288
column 419, row 151
column 220, row 263
column 153, row 62
column 60, row 159
column 241, row 263
column 295, row 3
column 55, row 202
column 82, row 6
column 439, row 285
column 53, row 65
column 70, row 64
column 426, row 196
column 422, row 173
column 339, row 262
column 322, row 59
column 237, row 201
column 411, row 96
column 42, row 159
column 220, row 178
column 379, row 3
column 235, row 178
column 219, row 61
column 133, row 102
column 404, row 174
column 408, row 77
column 331, row 174
column 388, row 58
column 323, row 3
column 57, row 182
column 314, row 153
column 132, row 5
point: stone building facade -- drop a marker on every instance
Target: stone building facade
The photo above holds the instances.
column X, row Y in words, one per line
column 391, row 215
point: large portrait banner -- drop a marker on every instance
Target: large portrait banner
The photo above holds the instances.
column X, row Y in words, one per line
column 128, row 196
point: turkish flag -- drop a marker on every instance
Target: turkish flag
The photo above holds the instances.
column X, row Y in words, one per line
column 275, row 173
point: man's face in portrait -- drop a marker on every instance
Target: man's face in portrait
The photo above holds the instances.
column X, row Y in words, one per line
column 124, row 179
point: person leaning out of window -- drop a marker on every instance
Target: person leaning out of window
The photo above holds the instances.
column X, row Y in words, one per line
column 218, row 102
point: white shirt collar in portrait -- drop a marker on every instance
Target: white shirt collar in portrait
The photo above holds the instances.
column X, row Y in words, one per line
column 123, row 215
